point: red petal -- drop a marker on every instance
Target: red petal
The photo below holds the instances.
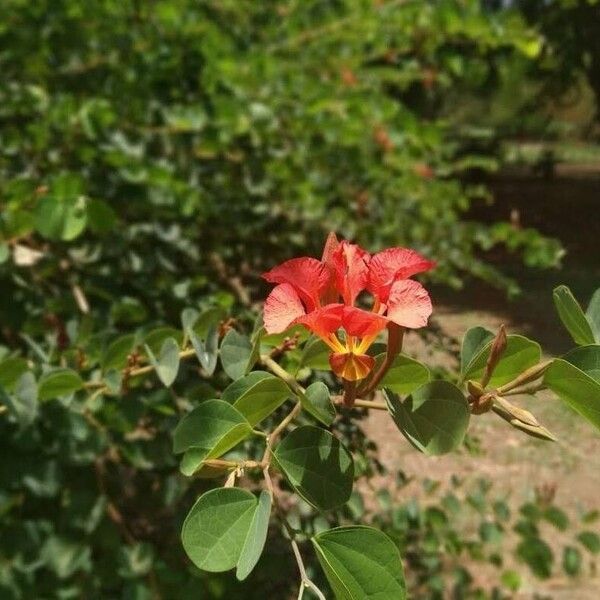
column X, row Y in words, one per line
column 330, row 293
column 351, row 270
column 282, row 308
column 392, row 264
column 331, row 244
column 361, row 323
column 409, row 304
column 351, row 366
column 324, row 321
column 308, row 277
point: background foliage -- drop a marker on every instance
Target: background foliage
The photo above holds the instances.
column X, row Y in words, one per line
column 155, row 156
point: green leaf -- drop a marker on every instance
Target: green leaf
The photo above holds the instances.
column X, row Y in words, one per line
column 316, row 355
column 256, row 537
column 167, row 363
column 236, row 354
column 575, row 387
column 360, row 562
column 317, row 465
column 10, row 370
column 189, row 316
column 316, row 400
column 475, row 340
column 101, row 218
column 61, row 219
column 590, row 541
column 592, row 315
column 58, row 383
column 537, row 555
column 572, row 316
column 257, row 395
column 207, row 351
column 405, row 375
column 24, row 402
column 587, row 359
column 208, row 431
column 215, row 530
column 520, row 354
column 115, row 356
column 571, row 561
column 156, row 338
column 434, row 418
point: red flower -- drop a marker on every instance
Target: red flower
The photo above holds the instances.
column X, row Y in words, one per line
column 321, row 295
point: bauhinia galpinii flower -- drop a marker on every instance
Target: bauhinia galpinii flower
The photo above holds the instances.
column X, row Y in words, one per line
column 322, row 295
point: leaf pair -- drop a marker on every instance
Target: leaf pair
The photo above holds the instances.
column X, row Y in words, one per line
column 227, row 528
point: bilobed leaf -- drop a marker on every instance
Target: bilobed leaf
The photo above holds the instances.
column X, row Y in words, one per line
column 207, row 351
column 11, row 369
column 520, row 354
column 256, row 537
column 572, row 316
column 592, row 314
column 25, row 399
column 360, row 562
column 316, row 355
column 115, row 356
column 216, row 528
column 317, row 465
column 57, row 219
column 58, row 383
column 316, row 400
column 156, row 338
column 207, row 319
column 167, row 363
column 405, row 375
column 236, row 354
column 578, row 388
column 189, row 316
column 475, row 340
column 257, row 395
column 208, row 431
column 434, row 418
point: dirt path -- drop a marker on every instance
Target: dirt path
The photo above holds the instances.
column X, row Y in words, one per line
column 514, row 462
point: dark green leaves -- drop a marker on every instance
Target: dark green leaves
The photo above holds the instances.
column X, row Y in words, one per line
column 257, row 395
column 226, row 527
column 434, row 418
column 575, row 378
column 236, row 354
column 520, row 354
column 317, row 401
column 59, row 383
column 572, row 316
column 360, row 562
column 405, row 375
column 208, row 431
column 317, row 465
column 167, row 363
